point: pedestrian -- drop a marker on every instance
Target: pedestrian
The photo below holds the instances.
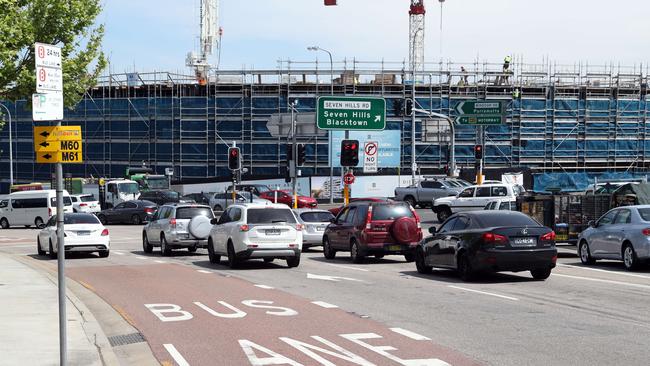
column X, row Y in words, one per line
column 506, row 69
column 464, row 77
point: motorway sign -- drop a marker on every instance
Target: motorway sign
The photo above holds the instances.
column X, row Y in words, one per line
column 478, row 112
column 58, row 144
column 47, row 107
column 370, row 159
column 351, row 113
column 47, row 55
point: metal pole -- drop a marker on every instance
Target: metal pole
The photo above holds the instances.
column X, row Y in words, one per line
column 11, row 147
column 330, row 133
column 452, row 153
column 60, row 240
column 413, row 130
column 294, row 156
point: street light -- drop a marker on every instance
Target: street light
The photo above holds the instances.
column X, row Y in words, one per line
column 316, row 48
column 11, row 153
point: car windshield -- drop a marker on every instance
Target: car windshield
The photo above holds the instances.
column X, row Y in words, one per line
column 158, row 183
column 316, row 216
column 390, row 212
column 66, row 201
column 128, row 188
column 191, row 212
column 170, row 195
column 69, row 219
column 507, row 219
column 645, row 214
column 270, row 215
column 89, row 198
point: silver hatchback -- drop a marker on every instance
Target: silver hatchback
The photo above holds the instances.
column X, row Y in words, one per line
column 623, row 233
column 178, row 225
column 314, row 221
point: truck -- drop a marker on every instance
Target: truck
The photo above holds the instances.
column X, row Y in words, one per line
column 146, row 179
column 426, row 191
column 114, row 191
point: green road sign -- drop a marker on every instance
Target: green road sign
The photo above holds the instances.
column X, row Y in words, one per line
column 480, row 112
column 479, row 120
column 351, row 113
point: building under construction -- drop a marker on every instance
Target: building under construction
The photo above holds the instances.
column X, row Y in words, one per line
column 561, row 119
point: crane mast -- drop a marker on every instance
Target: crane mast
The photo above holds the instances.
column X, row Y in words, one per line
column 416, row 35
column 209, row 24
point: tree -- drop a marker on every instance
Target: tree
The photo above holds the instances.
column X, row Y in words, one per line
column 66, row 23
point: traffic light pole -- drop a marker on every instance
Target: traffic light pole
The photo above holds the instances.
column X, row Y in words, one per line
column 346, row 187
column 294, row 155
column 481, row 142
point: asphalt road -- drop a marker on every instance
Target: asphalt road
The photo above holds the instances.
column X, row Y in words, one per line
column 336, row 312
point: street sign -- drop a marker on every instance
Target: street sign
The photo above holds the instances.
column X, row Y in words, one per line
column 58, row 144
column 351, row 113
column 48, row 80
column 348, row 178
column 47, row 55
column 370, row 160
column 476, row 112
column 47, row 107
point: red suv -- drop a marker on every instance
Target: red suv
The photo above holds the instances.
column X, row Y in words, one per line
column 286, row 198
column 373, row 228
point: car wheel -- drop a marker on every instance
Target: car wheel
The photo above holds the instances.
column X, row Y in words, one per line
column 38, row 247
column 355, row 252
column 410, row 257
column 379, row 256
column 540, row 273
column 165, row 250
column 51, row 252
column 410, row 200
column 136, row 220
column 464, row 268
column 192, row 249
column 585, row 253
column 268, row 260
column 630, row 259
column 419, row 262
column 444, row 214
column 103, row 253
column 293, row 261
column 214, row 258
column 102, row 219
column 146, row 246
column 232, row 258
column 38, row 222
column 217, row 208
column 328, row 252
column 4, row 223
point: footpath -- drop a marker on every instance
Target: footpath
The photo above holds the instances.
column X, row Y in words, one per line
column 29, row 321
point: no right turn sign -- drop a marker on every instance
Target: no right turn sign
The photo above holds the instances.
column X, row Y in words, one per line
column 370, row 157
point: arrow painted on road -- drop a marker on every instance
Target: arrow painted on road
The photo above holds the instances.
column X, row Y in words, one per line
column 330, row 278
column 377, row 118
column 47, row 156
column 44, row 144
column 45, row 134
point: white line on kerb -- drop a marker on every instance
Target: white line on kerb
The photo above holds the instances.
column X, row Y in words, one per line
column 264, row 287
column 203, row 271
column 324, row 304
column 605, row 271
column 118, row 253
column 348, row 267
column 161, row 262
column 141, row 257
column 637, row 285
column 484, row 293
column 180, row 360
column 408, row 333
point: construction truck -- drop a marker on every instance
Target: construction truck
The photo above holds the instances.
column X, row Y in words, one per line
column 146, row 179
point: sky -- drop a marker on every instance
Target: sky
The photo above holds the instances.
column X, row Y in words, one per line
column 156, row 35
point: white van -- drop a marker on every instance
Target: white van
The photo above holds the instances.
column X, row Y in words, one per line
column 30, row 208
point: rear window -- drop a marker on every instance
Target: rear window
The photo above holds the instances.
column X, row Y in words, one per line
column 172, row 195
column 316, row 216
column 390, row 212
column 79, row 219
column 645, row 214
column 270, row 215
column 89, row 198
column 191, row 212
column 507, row 219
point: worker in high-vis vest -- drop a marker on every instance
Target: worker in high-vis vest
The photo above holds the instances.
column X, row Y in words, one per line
column 506, row 68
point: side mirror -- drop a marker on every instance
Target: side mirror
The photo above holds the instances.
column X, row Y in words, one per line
column 591, row 223
column 432, row 230
column 333, row 220
column 214, row 221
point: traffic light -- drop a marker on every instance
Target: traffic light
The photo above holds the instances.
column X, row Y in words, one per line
column 302, row 154
column 234, row 158
column 408, row 107
column 478, row 152
column 349, row 153
column 289, row 153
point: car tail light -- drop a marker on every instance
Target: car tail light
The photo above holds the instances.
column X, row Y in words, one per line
column 252, row 245
column 149, row 210
column 244, row 227
column 104, row 232
column 300, row 227
column 554, row 258
column 49, row 212
column 495, row 239
column 646, row 232
column 369, row 218
column 549, row 236
column 417, row 218
column 83, row 204
column 172, row 223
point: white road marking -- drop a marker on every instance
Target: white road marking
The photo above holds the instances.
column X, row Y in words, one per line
column 180, row 360
column 203, row 271
column 605, row 271
column 348, row 267
column 17, row 246
column 324, row 304
column 408, row 333
column 637, row 285
column 118, row 253
column 141, row 257
column 264, row 287
column 330, row 278
column 161, row 262
column 484, row 293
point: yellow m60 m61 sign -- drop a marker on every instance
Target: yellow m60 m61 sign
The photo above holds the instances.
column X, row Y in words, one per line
column 58, row 144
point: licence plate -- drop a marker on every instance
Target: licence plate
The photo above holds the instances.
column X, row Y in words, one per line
column 82, row 233
column 183, row 236
column 394, row 248
column 320, row 229
column 272, row 232
column 524, row 242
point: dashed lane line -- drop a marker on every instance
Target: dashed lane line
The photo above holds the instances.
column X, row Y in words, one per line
column 484, row 293
column 604, row 271
column 409, row 334
column 324, row 304
column 180, row 360
column 265, row 287
column 637, row 285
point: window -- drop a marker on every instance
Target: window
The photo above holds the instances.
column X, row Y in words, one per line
column 623, row 217
column 66, row 201
column 519, row 190
column 489, row 206
column 645, row 214
column 80, row 219
column 350, row 217
column 499, row 191
column 510, row 206
column 390, row 212
column 483, row 192
column 461, row 224
column 431, row 184
column 342, row 215
column 167, row 213
column 131, row 205
column 121, row 206
column 112, row 188
column 74, row 199
column 191, row 212
column 506, row 219
column 220, row 196
column 316, row 216
column 469, row 192
column 448, row 225
column 4, row 203
column 234, row 214
column 270, row 215
column 224, row 218
column 362, row 214
column 607, row 218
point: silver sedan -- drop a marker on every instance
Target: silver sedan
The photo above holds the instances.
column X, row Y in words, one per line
column 623, row 233
column 314, row 221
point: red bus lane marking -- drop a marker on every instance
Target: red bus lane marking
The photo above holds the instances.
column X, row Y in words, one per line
column 228, row 321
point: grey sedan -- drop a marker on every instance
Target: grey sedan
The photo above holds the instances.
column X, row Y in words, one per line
column 314, row 221
column 623, row 233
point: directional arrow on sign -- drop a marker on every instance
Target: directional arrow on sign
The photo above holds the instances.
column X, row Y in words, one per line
column 45, row 143
column 331, row 278
column 377, row 118
column 45, row 134
column 47, row 156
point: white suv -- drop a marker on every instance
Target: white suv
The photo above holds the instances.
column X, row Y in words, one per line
column 256, row 230
column 474, row 198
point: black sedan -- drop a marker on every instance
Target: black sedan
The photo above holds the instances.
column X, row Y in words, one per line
column 133, row 212
column 489, row 241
